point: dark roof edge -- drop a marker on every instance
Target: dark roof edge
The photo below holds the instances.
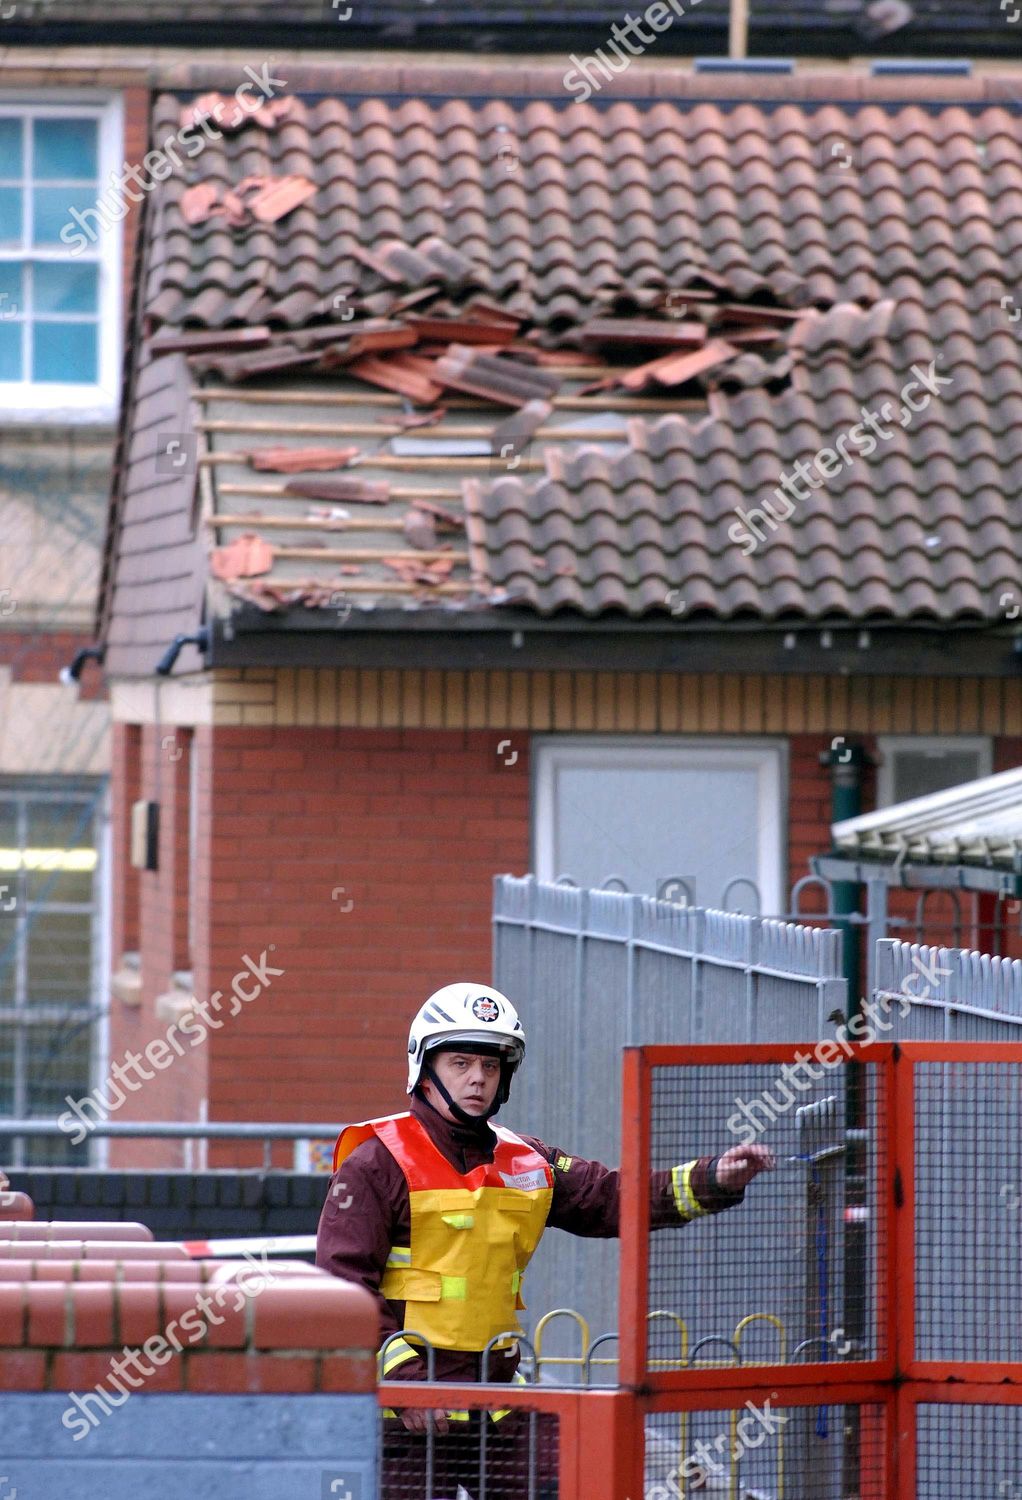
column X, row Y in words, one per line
column 842, row 85
column 523, row 641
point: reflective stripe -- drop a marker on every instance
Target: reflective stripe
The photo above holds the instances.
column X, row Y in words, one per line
column 454, row 1288
column 685, row 1200
column 400, row 1255
column 516, row 1280
column 459, row 1221
column 466, row 1416
column 398, row 1353
column 498, row 1416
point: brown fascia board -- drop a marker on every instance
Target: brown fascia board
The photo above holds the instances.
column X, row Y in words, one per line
column 503, row 638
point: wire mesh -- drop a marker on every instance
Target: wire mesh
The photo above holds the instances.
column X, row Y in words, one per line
column 791, row 1275
column 765, row 1450
column 968, row 1452
column 484, row 1455
column 968, row 1217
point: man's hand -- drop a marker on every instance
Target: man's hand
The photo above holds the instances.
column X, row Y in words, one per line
column 419, row 1419
column 738, row 1166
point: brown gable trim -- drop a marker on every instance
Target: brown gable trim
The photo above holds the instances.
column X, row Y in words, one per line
column 470, row 79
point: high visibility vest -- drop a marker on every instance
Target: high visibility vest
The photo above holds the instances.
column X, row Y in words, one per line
column 472, row 1234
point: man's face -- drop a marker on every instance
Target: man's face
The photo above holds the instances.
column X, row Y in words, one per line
column 471, row 1081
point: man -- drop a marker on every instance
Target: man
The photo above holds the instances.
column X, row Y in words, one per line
column 437, row 1214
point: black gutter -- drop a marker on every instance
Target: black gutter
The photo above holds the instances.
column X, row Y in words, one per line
column 524, row 641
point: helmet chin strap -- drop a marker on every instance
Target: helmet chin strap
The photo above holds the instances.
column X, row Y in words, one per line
column 461, row 1115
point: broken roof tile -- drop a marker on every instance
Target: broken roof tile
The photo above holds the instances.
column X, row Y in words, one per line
column 642, row 331
column 280, row 197
column 674, row 369
column 355, row 491
column 245, row 557
column 301, row 460
column 495, row 376
column 401, row 373
column 197, row 203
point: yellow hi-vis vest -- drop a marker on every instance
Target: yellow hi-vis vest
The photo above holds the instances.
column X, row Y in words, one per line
column 472, row 1234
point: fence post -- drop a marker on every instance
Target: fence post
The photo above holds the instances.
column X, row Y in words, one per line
column 633, row 1297
column 610, row 1446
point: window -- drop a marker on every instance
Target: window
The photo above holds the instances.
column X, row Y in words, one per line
column 707, row 811
column 917, row 765
column 60, row 258
column 50, row 958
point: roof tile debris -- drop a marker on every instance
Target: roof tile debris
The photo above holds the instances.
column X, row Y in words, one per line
column 245, row 557
column 229, row 115
column 301, row 460
column 265, row 199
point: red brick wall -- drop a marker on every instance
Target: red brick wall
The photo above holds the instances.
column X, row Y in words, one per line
column 176, row 1092
column 38, row 656
column 136, row 144
column 125, row 772
column 413, row 825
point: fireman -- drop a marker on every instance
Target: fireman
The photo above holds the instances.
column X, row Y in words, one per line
column 437, row 1212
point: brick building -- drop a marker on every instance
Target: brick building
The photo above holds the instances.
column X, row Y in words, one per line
column 454, row 432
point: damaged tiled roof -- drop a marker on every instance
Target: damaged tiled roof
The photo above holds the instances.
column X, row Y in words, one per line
column 929, row 524
column 974, row 27
column 554, row 213
column 562, row 359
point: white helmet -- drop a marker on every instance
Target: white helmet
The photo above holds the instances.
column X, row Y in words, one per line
column 471, row 1013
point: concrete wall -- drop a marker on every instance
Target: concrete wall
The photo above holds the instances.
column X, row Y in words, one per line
column 163, row 1447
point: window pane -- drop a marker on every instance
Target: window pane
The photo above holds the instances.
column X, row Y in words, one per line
column 61, row 854
column 64, row 288
column 52, row 208
column 12, row 300
column 57, row 1065
column 66, row 151
column 6, row 1070
column 11, row 335
column 59, row 958
column 11, row 232
column 11, row 137
column 66, row 352
column 918, row 773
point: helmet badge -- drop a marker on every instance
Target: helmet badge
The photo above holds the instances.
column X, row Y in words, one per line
column 485, row 1009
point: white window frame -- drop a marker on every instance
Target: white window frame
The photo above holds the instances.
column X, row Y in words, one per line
column 69, row 402
column 768, row 757
column 890, row 744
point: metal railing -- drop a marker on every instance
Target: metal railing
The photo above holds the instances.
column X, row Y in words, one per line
column 174, row 1130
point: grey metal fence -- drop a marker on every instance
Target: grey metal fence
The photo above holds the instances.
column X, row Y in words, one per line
column 933, row 994
column 594, row 971
column 968, row 1154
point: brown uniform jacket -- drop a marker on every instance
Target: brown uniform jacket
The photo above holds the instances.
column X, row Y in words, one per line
column 366, row 1213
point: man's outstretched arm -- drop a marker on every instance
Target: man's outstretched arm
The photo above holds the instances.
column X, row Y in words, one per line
column 586, row 1193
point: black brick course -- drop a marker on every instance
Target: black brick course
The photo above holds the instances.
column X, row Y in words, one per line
column 180, row 1205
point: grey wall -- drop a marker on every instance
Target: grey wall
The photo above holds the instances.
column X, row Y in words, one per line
column 165, row 1447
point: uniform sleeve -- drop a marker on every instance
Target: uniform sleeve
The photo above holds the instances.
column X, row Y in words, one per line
column 356, row 1226
column 586, row 1194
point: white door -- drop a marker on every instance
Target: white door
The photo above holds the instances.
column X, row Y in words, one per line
column 649, row 810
